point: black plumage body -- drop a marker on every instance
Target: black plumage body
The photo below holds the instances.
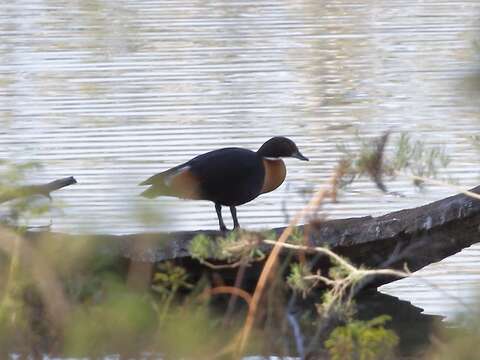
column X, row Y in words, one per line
column 229, row 176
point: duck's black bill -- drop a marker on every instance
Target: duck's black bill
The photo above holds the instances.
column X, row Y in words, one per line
column 298, row 155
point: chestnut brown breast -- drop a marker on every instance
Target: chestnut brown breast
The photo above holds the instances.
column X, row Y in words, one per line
column 275, row 172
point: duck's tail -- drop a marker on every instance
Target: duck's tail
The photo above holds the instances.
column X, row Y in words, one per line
column 159, row 184
column 177, row 181
column 151, row 192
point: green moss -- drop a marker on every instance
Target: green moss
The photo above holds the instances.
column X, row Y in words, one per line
column 231, row 248
column 202, row 247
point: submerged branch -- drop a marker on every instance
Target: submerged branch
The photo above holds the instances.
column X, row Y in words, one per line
column 42, row 189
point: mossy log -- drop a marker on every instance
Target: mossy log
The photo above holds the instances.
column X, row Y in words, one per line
column 413, row 237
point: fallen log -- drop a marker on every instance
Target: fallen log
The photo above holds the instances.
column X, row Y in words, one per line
column 413, row 237
column 41, row 189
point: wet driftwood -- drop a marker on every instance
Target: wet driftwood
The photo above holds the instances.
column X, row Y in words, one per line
column 41, row 189
column 414, row 237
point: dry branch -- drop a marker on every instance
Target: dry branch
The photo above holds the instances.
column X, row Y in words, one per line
column 42, row 189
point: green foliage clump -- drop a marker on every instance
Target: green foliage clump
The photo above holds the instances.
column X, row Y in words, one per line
column 235, row 247
column 298, row 278
column 203, row 247
column 240, row 244
column 169, row 278
column 362, row 340
column 338, row 272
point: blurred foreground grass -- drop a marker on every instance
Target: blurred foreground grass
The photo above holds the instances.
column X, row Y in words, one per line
column 99, row 313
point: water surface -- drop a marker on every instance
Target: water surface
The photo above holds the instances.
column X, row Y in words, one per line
column 115, row 91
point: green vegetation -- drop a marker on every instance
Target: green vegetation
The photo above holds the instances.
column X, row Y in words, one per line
column 235, row 247
column 298, row 278
column 128, row 316
column 362, row 340
column 103, row 313
column 23, row 208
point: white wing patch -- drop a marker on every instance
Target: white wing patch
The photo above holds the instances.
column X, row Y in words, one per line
column 168, row 179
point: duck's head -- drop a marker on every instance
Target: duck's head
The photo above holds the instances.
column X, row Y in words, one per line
column 278, row 147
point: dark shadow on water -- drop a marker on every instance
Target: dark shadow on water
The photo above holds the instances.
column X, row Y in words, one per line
column 413, row 328
column 408, row 321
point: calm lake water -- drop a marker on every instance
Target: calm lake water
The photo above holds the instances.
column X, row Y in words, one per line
column 115, row 91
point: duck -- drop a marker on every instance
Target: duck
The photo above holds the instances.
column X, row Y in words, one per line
column 229, row 176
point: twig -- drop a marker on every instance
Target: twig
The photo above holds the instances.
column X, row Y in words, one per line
column 235, row 264
column 221, row 266
column 340, row 286
column 231, row 290
column 341, row 261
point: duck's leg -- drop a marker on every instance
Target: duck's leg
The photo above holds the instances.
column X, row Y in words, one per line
column 218, row 209
column 233, row 210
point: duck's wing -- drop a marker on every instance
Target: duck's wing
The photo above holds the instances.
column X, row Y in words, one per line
column 165, row 176
column 201, row 164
